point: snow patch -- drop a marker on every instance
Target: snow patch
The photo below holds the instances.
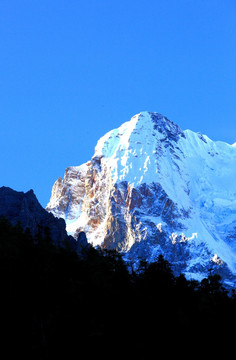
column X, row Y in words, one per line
column 217, row 260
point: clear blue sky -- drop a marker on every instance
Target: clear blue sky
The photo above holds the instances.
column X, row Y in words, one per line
column 72, row 70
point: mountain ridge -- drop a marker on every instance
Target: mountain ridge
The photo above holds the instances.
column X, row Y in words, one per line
column 23, row 208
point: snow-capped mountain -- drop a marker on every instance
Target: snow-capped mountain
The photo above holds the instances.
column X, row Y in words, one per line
column 152, row 188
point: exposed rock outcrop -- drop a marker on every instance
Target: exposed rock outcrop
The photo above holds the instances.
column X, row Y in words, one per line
column 24, row 208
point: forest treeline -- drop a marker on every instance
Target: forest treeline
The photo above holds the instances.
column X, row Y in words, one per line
column 55, row 303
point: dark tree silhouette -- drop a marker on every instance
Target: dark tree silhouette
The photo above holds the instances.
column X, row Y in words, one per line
column 55, row 303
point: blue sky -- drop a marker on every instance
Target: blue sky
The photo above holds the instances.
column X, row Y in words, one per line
column 72, row 70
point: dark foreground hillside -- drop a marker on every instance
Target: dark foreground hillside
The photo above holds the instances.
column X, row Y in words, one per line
column 55, row 304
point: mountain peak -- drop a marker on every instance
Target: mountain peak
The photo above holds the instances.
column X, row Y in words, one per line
column 141, row 129
column 152, row 188
column 158, row 121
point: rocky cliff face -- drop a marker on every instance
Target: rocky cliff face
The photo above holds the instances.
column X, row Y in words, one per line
column 152, row 188
column 24, row 208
